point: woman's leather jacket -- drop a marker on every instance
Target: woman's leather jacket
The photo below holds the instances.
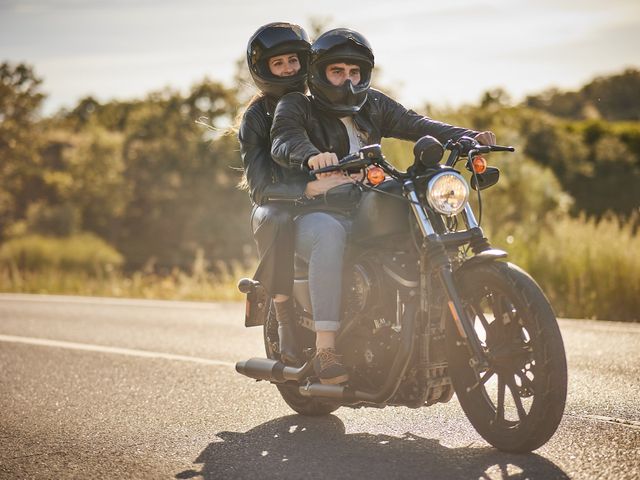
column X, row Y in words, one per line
column 264, row 177
column 301, row 130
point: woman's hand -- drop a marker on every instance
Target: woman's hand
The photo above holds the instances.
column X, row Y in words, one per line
column 321, row 185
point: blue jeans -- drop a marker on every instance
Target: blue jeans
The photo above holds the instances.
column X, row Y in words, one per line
column 321, row 240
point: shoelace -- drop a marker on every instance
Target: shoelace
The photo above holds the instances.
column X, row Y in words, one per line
column 328, row 357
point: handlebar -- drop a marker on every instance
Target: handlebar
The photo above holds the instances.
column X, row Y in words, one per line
column 344, row 163
column 469, row 147
column 368, row 155
column 466, row 144
column 372, row 154
column 493, row 148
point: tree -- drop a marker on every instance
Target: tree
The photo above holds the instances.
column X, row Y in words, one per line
column 183, row 194
column 613, row 98
column 20, row 139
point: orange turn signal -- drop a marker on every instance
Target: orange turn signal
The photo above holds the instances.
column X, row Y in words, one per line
column 479, row 164
column 375, row 175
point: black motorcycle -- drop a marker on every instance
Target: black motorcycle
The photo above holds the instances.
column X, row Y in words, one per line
column 429, row 308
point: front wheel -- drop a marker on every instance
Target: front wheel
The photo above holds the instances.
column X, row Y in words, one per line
column 312, row 407
column 515, row 404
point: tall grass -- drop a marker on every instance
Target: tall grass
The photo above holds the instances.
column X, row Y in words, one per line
column 177, row 285
column 83, row 252
column 587, row 268
column 86, row 265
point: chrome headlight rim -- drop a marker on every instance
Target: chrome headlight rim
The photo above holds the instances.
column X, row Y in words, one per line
column 442, row 198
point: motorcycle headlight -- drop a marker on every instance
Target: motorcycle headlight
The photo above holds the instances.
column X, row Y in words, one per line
column 447, row 193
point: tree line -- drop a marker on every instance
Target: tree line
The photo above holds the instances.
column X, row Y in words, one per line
column 145, row 177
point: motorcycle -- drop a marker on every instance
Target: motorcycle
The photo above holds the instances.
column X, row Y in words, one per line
column 429, row 308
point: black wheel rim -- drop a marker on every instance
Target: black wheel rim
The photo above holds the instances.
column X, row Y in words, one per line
column 508, row 385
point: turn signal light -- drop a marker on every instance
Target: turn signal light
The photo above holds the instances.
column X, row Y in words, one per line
column 375, row 175
column 479, row 164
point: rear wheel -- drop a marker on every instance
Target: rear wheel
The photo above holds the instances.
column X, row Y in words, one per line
column 303, row 405
column 517, row 403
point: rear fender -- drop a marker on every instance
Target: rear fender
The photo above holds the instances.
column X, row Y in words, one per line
column 257, row 303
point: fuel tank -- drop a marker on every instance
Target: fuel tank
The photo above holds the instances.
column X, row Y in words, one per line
column 380, row 216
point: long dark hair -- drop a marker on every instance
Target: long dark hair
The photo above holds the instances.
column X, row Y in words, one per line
column 271, row 103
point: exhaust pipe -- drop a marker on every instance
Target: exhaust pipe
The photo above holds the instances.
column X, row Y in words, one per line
column 271, row 370
column 278, row 372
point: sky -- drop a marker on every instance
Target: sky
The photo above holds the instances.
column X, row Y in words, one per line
column 445, row 53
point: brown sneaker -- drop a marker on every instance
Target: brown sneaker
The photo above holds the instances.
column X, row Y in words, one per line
column 329, row 368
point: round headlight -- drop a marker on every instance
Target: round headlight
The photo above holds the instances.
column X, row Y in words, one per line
column 447, row 193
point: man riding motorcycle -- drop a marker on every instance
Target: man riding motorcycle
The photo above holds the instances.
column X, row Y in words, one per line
column 342, row 114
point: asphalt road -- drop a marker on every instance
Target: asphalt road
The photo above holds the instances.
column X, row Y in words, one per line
column 101, row 388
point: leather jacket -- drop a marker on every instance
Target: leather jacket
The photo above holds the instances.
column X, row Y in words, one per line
column 264, row 177
column 301, row 130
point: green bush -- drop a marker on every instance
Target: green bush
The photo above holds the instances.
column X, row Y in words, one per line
column 81, row 253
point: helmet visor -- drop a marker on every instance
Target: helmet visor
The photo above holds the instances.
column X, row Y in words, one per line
column 276, row 34
column 339, row 37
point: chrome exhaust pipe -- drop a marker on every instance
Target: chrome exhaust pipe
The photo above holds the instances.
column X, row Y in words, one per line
column 271, row 370
column 278, row 372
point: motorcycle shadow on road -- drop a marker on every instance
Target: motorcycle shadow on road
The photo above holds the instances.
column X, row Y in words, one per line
column 305, row 447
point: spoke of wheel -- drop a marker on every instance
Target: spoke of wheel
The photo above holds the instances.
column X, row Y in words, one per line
column 477, row 310
column 487, row 375
column 526, row 382
column 517, row 400
column 500, row 406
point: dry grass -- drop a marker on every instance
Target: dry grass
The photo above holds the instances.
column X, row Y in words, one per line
column 587, row 268
column 85, row 265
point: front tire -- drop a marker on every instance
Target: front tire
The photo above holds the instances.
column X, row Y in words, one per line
column 311, row 407
column 517, row 403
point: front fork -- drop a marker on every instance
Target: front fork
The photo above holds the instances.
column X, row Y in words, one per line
column 435, row 258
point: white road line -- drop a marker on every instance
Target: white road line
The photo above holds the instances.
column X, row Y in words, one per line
column 616, row 421
column 112, row 301
column 113, row 350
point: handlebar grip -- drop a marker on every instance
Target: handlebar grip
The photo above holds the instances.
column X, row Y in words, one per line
column 500, row 148
column 490, row 148
column 330, row 168
column 335, row 168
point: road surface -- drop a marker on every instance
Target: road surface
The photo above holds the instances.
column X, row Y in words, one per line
column 106, row 388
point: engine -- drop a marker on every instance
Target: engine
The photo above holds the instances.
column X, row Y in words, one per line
column 373, row 306
column 375, row 291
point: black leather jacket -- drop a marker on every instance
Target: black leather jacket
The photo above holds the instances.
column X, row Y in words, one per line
column 264, row 177
column 300, row 130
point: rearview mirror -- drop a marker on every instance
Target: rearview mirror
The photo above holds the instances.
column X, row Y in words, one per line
column 485, row 180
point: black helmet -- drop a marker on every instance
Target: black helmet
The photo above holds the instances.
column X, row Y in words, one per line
column 276, row 39
column 336, row 46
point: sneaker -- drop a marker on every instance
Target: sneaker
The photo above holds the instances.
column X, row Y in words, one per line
column 329, row 368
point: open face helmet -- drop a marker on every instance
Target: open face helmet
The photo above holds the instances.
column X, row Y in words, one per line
column 273, row 39
column 340, row 45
